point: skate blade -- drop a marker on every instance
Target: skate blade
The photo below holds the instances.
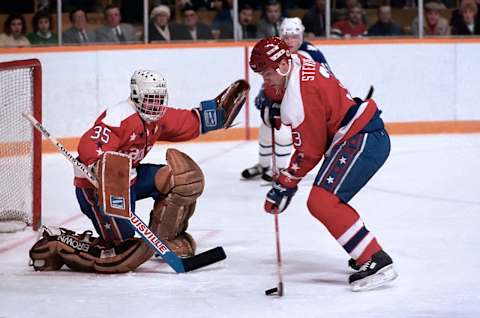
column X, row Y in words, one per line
column 380, row 278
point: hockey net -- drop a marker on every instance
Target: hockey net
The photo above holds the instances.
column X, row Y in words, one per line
column 20, row 145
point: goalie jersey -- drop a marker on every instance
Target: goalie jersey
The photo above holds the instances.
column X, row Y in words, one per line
column 120, row 128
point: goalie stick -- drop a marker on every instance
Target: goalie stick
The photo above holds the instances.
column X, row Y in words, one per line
column 180, row 265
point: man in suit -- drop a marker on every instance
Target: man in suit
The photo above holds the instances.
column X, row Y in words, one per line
column 78, row 33
column 197, row 30
column 161, row 29
column 114, row 31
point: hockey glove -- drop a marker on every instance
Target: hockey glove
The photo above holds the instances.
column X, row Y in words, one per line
column 269, row 111
column 282, row 192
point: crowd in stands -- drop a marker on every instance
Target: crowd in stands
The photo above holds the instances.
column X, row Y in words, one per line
column 172, row 20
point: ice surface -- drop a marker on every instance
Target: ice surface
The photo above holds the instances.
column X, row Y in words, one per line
column 423, row 206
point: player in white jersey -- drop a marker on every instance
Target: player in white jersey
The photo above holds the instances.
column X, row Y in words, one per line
column 291, row 31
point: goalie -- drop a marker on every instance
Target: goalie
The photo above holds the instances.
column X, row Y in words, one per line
column 131, row 128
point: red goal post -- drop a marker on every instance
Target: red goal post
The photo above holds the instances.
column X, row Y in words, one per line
column 20, row 145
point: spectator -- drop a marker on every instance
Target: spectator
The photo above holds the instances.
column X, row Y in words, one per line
column 222, row 24
column 353, row 27
column 78, row 33
column 314, row 20
column 385, row 26
column 247, row 29
column 161, row 29
column 269, row 25
column 469, row 23
column 341, row 13
column 15, row 29
column 197, row 30
column 434, row 23
column 42, row 30
column 114, row 31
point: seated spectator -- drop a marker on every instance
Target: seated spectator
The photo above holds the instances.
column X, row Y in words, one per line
column 42, row 30
column 469, row 24
column 247, row 29
column 352, row 27
column 314, row 20
column 15, row 29
column 78, row 33
column 222, row 24
column 161, row 29
column 384, row 25
column 269, row 25
column 434, row 23
column 198, row 30
column 114, row 31
column 341, row 13
column 457, row 19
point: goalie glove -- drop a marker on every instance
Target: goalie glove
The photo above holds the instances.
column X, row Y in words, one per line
column 269, row 111
column 221, row 112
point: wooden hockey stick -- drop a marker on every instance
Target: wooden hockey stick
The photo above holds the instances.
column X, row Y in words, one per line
column 180, row 265
column 279, row 289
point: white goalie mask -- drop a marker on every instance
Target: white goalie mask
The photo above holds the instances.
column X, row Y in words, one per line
column 292, row 27
column 148, row 91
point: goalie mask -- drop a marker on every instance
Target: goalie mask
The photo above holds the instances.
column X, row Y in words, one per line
column 268, row 53
column 148, row 91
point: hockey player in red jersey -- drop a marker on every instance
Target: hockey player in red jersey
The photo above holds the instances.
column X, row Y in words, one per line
column 348, row 133
column 131, row 127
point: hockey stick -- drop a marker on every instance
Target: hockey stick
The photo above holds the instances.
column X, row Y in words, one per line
column 180, row 265
column 279, row 289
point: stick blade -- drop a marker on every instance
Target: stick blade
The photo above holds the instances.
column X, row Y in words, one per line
column 206, row 258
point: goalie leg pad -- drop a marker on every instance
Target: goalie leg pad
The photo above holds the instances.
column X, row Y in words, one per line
column 82, row 252
column 188, row 181
column 169, row 222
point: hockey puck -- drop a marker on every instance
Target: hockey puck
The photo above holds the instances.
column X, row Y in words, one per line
column 271, row 291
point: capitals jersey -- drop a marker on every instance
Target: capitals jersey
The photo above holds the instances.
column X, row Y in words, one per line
column 120, row 128
column 321, row 113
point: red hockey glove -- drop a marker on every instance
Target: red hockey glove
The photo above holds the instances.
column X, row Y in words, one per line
column 281, row 193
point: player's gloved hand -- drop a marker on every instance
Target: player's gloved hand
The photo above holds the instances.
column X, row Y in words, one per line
column 269, row 111
column 281, row 193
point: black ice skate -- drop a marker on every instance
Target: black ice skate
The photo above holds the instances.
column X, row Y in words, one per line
column 253, row 172
column 374, row 273
column 267, row 175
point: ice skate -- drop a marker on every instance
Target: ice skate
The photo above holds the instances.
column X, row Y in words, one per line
column 374, row 273
column 253, row 172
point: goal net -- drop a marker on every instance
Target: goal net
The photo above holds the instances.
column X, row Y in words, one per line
column 20, row 145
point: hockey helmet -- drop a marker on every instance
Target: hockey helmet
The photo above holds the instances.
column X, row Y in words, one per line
column 268, row 53
column 292, row 26
column 148, row 91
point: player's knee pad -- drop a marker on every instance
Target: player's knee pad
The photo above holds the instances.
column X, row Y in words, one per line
column 82, row 252
column 322, row 204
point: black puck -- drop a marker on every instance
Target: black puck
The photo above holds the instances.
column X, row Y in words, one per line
column 271, row 291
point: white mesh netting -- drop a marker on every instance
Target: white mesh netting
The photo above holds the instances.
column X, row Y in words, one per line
column 16, row 149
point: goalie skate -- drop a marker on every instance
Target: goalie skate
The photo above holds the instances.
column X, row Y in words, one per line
column 376, row 272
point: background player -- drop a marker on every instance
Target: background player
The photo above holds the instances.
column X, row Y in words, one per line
column 291, row 32
column 327, row 122
column 132, row 127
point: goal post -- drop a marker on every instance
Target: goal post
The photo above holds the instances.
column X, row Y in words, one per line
column 20, row 145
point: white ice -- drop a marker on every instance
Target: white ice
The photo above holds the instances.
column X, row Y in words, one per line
column 423, row 206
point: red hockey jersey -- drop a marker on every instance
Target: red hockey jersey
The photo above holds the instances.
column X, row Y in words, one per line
column 119, row 128
column 314, row 104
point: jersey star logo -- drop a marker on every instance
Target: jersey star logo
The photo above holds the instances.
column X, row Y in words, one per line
column 343, row 160
column 133, row 136
column 99, row 152
column 330, row 179
column 295, row 167
column 107, row 226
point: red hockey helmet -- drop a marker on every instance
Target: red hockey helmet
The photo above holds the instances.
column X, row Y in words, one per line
column 268, row 53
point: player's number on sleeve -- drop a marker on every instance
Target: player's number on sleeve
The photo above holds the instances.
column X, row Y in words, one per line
column 102, row 133
column 296, row 138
